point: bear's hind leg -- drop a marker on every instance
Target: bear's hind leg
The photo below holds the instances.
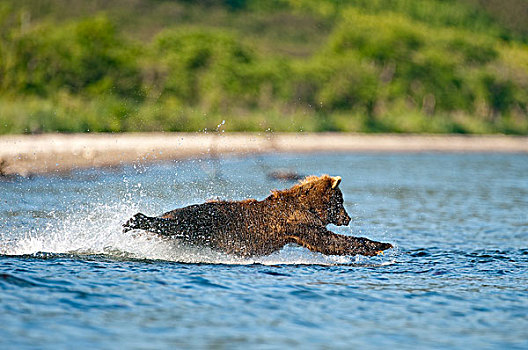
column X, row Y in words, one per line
column 137, row 222
column 161, row 226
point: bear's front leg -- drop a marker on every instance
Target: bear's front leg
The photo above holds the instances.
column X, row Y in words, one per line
column 319, row 239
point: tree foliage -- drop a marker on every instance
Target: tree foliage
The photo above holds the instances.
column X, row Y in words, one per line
column 398, row 65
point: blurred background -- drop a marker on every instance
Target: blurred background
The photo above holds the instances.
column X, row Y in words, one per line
column 435, row 66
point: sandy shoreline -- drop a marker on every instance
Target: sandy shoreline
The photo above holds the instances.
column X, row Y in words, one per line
column 34, row 154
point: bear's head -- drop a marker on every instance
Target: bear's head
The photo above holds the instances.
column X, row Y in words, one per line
column 321, row 196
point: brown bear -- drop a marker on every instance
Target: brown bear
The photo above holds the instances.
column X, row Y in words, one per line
column 251, row 228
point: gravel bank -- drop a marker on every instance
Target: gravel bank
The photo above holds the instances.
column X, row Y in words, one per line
column 35, row 154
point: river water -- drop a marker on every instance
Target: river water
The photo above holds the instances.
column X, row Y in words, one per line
column 457, row 278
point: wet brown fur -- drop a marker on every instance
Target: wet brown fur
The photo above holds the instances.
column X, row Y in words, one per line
column 250, row 227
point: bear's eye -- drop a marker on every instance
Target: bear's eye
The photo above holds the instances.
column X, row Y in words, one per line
column 337, row 198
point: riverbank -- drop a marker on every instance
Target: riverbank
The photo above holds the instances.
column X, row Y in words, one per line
column 48, row 153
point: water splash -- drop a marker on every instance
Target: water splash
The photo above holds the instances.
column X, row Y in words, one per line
column 92, row 230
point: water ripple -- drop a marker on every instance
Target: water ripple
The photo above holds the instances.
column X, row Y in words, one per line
column 456, row 280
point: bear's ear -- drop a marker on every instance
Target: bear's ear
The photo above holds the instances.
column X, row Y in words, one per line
column 336, row 180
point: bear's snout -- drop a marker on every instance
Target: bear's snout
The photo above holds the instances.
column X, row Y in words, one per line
column 343, row 219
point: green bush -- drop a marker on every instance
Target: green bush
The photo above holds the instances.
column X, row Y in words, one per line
column 375, row 66
column 81, row 57
column 433, row 67
column 395, row 40
column 212, row 70
column 351, row 84
column 196, row 62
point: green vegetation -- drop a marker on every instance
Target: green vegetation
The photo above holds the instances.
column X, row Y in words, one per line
column 286, row 65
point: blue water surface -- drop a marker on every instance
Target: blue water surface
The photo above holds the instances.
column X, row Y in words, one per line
column 457, row 278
